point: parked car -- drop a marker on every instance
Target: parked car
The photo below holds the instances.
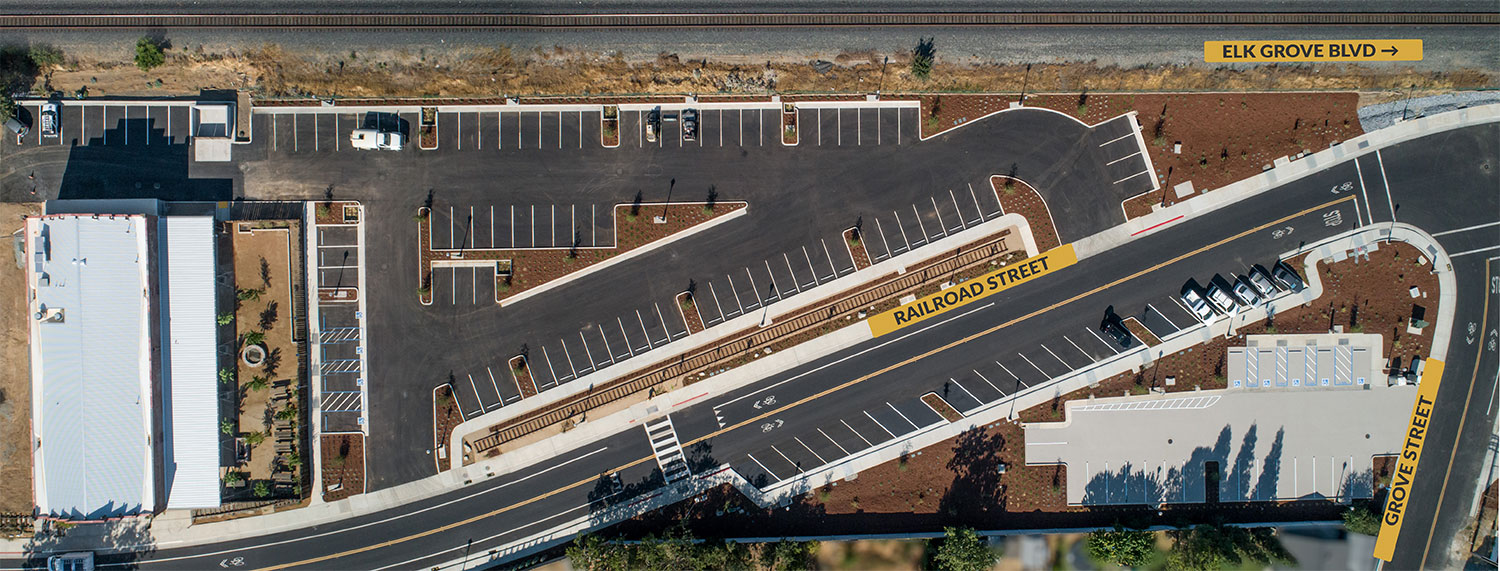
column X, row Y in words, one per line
column 1114, row 328
column 375, row 139
column 1244, row 293
column 1193, row 298
column 75, row 561
column 653, row 124
column 689, row 124
column 1287, row 276
column 1262, row 282
column 15, row 126
column 1221, row 300
column 51, row 124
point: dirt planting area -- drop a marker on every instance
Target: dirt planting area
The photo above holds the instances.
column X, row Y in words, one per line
column 690, row 314
column 268, row 418
column 343, row 466
column 15, row 372
column 446, row 416
column 526, row 268
column 1018, row 197
column 1359, row 297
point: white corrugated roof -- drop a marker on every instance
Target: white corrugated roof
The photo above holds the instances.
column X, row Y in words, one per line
column 91, row 365
column 192, row 462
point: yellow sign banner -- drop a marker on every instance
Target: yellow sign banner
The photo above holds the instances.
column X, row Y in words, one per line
column 1406, row 465
column 969, row 291
column 1312, row 51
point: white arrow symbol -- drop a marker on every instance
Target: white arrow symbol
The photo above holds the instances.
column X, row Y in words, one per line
column 224, row 563
column 756, row 405
column 1469, row 340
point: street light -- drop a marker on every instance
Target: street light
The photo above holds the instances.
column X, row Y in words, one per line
column 663, row 218
column 1409, row 88
column 881, row 87
column 1024, row 79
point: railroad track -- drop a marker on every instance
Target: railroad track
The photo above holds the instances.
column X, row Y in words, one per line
column 736, row 349
column 908, row 19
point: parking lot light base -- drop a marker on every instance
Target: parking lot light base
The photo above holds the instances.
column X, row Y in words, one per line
column 658, row 219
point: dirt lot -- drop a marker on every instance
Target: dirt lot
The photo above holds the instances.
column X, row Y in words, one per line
column 15, row 372
column 271, row 70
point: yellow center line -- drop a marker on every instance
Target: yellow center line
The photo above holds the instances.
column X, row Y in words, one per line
column 1033, row 314
column 822, row 394
column 1484, row 323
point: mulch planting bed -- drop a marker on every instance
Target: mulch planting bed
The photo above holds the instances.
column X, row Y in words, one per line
column 824, row 97
column 522, row 373
column 942, row 407
column 734, row 98
column 690, row 314
column 1225, row 137
column 1141, row 332
column 857, row 248
column 609, row 126
column 1021, row 199
column 1360, row 297
column 446, row 417
column 532, row 267
column 343, row 465
column 789, row 126
column 336, row 212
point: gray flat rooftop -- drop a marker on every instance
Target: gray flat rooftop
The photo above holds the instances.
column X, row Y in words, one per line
column 1269, row 445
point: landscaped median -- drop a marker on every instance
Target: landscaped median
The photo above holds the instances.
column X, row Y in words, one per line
column 519, row 270
column 1018, row 197
column 975, row 258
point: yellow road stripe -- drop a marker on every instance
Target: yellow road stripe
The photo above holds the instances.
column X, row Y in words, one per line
column 499, row 511
column 1485, row 321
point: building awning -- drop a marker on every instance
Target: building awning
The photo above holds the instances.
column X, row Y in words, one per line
column 192, row 407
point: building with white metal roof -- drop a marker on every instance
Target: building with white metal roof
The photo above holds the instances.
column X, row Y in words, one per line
column 123, row 423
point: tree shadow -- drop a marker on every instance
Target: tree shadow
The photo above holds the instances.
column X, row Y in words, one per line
column 1270, row 472
column 138, row 159
column 975, row 493
column 114, row 544
column 268, row 316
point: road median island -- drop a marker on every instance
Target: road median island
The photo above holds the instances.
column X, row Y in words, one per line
column 1017, row 197
column 820, row 318
column 523, row 270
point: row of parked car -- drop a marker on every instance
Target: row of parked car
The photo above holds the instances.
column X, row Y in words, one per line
column 1226, row 296
column 51, row 124
column 689, row 123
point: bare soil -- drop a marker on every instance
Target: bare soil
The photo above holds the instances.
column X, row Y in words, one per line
column 789, row 131
column 690, row 314
column 532, row 267
column 262, row 263
column 1361, row 297
column 446, row 417
column 521, row 372
column 1141, row 332
column 343, row 465
column 942, row 407
column 15, row 371
column 1022, row 199
column 857, row 249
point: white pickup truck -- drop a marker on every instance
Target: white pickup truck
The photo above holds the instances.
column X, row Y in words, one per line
column 375, row 139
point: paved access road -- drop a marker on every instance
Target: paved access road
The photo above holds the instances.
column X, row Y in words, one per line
column 1135, row 278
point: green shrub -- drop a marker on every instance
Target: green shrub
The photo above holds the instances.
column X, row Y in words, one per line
column 149, row 53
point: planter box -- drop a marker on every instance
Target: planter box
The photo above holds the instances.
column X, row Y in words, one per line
column 854, row 240
column 789, row 124
column 427, row 131
column 609, row 126
column 690, row 313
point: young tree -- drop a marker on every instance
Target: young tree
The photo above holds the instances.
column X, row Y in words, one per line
column 963, row 550
column 1216, row 546
column 589, row 553
column 258, row 383
column 254, row 338
column 45, row 56
column 262, row 489
column 1362, row 518
column 788, row 555
column 922, row 57
column 1123, row 547
column 149, row 53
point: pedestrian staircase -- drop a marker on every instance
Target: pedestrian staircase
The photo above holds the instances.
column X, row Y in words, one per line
column 668, row 451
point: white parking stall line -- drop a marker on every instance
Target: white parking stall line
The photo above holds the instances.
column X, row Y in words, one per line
column 809, row 449
column 475, row 388
column 977, row 207
column 594, row 365
column 453, row 279
column 1131, row 177
column 883, row 241
column 552, row 223
column 644, row 332
column 593, row 225
column 958, row 209
column 877, row 423
column 610, row 352
column 742, row 128
column 492, row 383
column 1116, row 139
column 941, row 225
column 966, row 391
column 1054, row 356
column 663, row 320
column 104, row 126
column 1101, row 340
column 856, row 432
column 716, row 300
column 473, row 285
column 810, row 267
column 1080, row 349
column 903, row 230
column 533, row 220
column 762, row 466
column 878, row 128
column 460, row 115
column 125, row 125
column 1122, row 158
column 580, row 129
column 736, row 292
column 569, row 355
column 147, row 124
column 451, row 233
column 1457, row 230
column 903, row 416
column 761, row 128
column 820, row 126
column 640, row 135
column 512, row 225
column 755, row 288
column 549, row 367
column 720, row 114
column 829, row 255
column 859, row 128
column 925, row 236
column 296, row 141
column 621, row 323
column 539, row 131
column 774, row 288
column 790, row 272
column 835, row 442
column 1164, row 316
column 841, row 127
column 499, row 131
column 1007, row 371
column 1038, row 369
column 987, row 380
column 898, row 126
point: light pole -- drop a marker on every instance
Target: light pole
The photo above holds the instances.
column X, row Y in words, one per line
column 1024, row 79
column 881, row 86
column 1407, row 103
column 663, row 218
